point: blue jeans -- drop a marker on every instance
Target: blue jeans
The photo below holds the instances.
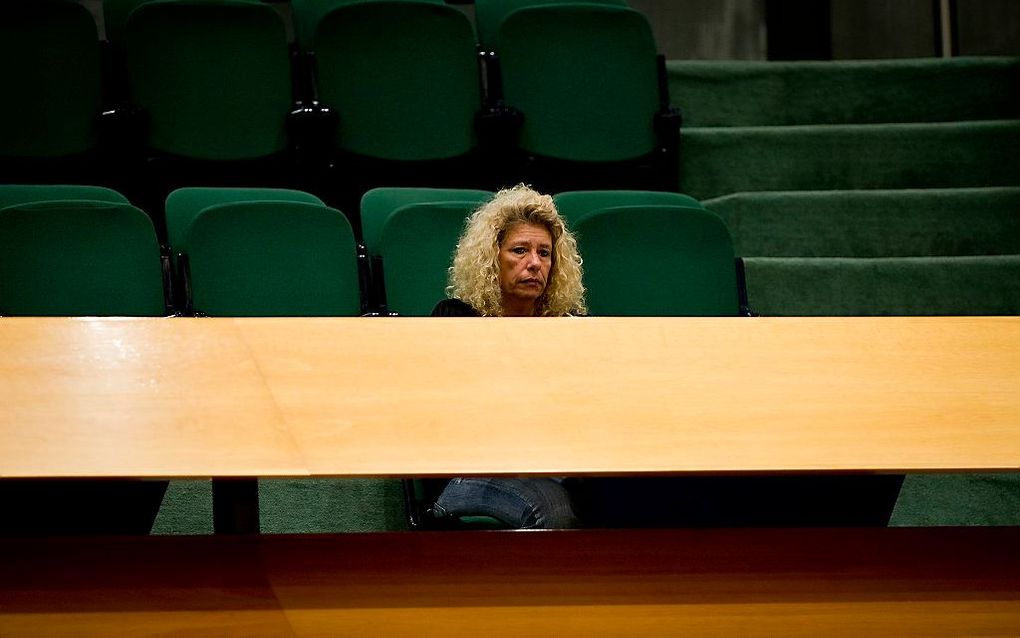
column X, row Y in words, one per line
column 534, row 503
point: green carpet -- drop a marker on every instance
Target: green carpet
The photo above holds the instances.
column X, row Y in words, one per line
column 722, row 161
column 958, row 499
column 794, row 286
column 731, row 93
column 299, row 506
column 879, row 223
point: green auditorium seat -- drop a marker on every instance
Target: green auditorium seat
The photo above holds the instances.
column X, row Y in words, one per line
column 308, row 13
column 585, row 80
column 415, row 251
column 50, row 71
column 873, row 223
column 79, row 258
column 574, row 205
column 272, row 258
column 184, row 204
column 402, row 76
column 212, row 75
column 793, row 286
column 11, row 194
column 378, row 204
column 489, row 14
column 658, row 261
column 722, row 161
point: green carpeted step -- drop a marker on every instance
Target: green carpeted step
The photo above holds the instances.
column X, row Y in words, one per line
column 795, row 286
column 722, row 161
column 732, row 93
column 877, row 223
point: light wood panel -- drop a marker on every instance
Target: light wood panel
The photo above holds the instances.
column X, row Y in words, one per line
column 433, row 396
column 906, row 581
column 147, row 397
column 392, row 397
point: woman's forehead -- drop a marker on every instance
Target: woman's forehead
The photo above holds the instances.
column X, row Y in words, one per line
column 528, row 232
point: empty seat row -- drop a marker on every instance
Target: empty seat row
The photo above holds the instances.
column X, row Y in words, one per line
column 388, row 81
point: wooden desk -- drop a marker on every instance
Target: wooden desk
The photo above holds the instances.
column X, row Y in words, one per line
column 361, row 397
column 803, row 582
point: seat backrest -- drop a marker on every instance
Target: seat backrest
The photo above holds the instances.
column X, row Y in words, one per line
column 378, row 204
column 11, row 194
column 79, row 257
column 585, row 78
column 575, row 205
column 403, row 77
column 658, row 261
column 50, row 71
column 277, row 258
column 212, row 75
column 418, row 242
column 489, row 14
column 184, row 204
column 308, row 13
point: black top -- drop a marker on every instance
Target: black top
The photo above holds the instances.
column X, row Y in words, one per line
column 454, row 308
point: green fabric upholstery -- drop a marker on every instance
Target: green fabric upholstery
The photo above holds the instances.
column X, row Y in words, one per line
column 308, row 13
column 278, row 258
column 574, row 205
column 584, row 76
column 11, row 194
column 734, row 93
column 378, row 204
column 658, row 261
column 403, row 77
column 50, row 72
column 79, row 258
column 184, row 204
column 418, row 242
column 791, row 286
column 721, row 161
column 879, row 223
column 213, row 76
column 489, row 14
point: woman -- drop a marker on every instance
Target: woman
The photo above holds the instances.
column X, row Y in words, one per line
column 516, row 258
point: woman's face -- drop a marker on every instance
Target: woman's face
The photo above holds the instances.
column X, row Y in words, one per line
column 525, row 260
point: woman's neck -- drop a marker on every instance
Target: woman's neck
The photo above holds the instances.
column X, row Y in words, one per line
column 518, row 308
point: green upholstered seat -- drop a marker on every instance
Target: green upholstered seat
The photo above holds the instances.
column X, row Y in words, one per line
column 11, row 194
column 184, row 204
column 378, row 204
column 403, row 78
column 79, row 257
column 658, row 261
column 489, row 14
column 272, row 258
column 574, row 205
column 213, row 77
column 585, row 78
column 51, row 78
column 308, row 13
column 416, row 249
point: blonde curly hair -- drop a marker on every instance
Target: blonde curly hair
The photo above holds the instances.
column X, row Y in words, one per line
column 474, row 275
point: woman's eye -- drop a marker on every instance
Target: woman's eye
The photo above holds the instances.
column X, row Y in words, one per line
column 519, row 250
column 543, row 253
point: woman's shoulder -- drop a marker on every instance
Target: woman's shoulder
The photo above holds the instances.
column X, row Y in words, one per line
column 454, row 308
